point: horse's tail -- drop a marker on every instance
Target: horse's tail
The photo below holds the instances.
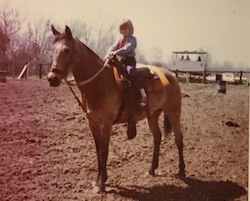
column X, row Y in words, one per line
column 167, row 126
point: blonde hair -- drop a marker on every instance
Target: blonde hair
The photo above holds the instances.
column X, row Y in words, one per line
column 127, row 24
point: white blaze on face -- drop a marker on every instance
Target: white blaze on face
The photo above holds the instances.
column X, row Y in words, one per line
column 59, row 46
column 57, row 50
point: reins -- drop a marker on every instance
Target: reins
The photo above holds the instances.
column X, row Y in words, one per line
column 73, row 92
column 122, row 106
column 84, row 82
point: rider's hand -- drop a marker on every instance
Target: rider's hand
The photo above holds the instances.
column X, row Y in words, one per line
column 112, row 54
column 106, row 57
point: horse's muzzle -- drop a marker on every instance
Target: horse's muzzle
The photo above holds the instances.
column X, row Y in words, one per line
column 54, row 79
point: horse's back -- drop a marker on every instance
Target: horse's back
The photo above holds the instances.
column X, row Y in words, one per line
column 172, row 84
column 170, row 76
column 171, row 93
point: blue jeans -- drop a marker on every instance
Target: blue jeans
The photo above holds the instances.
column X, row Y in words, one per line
column 135, row 78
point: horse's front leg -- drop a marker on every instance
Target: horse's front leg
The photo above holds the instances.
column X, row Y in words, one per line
column 101, row 135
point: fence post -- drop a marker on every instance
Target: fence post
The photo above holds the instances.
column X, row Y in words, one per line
column 241, row 77
column 176, row 73
column 40, row 70
column 28, row 70
column 24, row 70
column 204, row 76
column 188, row 75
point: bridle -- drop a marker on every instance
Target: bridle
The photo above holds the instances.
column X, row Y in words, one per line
column 63, row 73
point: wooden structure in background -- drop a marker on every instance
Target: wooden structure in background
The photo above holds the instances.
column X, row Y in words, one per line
column 190, row 62
column 25, row 69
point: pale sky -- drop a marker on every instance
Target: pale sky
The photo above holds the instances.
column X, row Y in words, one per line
column 220, row 27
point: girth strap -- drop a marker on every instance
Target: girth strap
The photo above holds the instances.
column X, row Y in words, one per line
column 121, row 109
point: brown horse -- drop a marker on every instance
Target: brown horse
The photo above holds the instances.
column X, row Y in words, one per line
column 101, row 100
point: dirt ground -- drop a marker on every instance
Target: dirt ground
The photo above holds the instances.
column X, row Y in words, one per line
column 47, row 151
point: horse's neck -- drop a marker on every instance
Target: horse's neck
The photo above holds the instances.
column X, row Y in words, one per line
column 88, row 65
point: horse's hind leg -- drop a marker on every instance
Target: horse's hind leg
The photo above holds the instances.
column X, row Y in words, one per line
column 154, row 128
column 175, row 123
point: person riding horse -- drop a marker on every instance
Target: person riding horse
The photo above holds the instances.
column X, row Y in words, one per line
column 125, row 48
column 102, row 99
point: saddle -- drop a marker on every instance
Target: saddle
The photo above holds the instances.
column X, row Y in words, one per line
column 152, row 78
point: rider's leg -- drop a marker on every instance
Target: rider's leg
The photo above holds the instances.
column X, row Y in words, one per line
column 138, row 84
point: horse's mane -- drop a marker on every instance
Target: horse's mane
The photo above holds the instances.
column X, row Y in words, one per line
column 65, row 36
column 91, row 51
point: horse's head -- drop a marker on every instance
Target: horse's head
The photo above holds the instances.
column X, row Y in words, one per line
column 62, row 56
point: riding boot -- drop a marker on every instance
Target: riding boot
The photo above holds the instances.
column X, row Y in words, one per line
column 131, row 131
column 138, row 83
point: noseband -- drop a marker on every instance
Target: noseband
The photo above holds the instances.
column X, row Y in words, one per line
column 62, row 73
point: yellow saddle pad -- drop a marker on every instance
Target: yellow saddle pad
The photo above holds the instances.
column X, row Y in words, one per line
column 160, row 74
column 117, row 78
column 163, row 79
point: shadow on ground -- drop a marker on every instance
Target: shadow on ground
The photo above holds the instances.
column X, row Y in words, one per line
column 197, row 190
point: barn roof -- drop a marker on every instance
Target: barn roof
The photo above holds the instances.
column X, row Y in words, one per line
column 189, row 52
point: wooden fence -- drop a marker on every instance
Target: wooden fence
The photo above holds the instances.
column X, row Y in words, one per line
column 203, row 74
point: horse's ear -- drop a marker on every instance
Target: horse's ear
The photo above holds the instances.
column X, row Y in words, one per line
column 68, row 31
column 55, row 32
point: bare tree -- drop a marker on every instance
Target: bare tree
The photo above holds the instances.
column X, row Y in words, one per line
column 98, row 37
column 82, row 31
column 10, row 19
column 105, row 35
column 38, row 39
column 10, row 24
column 4, row 42
column 156, row 55
column 33, row 45
column 140, row 57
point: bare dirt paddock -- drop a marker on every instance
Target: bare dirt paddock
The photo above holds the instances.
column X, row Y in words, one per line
column 47, row 151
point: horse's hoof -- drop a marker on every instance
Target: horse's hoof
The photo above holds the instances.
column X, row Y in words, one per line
column 146, row 174
column 96, row 189
column 149, row 173
column 182, row 176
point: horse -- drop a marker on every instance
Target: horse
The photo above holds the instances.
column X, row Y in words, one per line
column 102, row 99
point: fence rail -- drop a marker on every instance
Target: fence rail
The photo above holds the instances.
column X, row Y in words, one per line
column 207, row 72
column 41, row 70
